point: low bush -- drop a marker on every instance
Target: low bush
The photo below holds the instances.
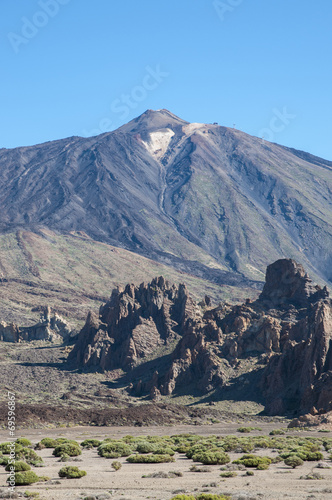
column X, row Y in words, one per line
column 25, row 477
column 46, row 443
column 116, row 465
column 228, row 474
column 91, row 443
column 71, row 472
column 67, row 448
column 18, row 466
column 211, row 458
column 293, row 461
column 164, row 451
column 194, row 468
column 150, row 459
column 24, row 442
column 202, row 496
column 30, row 456
column 262, row 466
column 277, row 432
column 253, row 460
column 7, row 447
column 4, row 460
column 114, row 449
column 312, row 475
column 146, row 447
column 314, row 456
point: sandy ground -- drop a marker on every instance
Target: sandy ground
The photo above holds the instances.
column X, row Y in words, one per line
column 277, row 483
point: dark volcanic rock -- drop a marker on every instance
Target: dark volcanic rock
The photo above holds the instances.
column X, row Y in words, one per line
column 301, row 376
column 278, row 347
column 133, row 324
column 287, row 283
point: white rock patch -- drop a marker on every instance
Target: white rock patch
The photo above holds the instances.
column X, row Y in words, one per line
column 158, row 142
column 193, row 127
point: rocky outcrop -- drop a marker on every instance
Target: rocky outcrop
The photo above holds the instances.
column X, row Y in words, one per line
column 133, row 324
column 286, row 284
column 301, row 375
column 9, row 332
column 320, row 421
column 282, row 341
column 50, row 327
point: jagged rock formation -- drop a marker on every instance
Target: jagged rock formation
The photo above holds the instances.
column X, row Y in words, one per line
column 285, row 337
column 50, row 327
column 9, row 332
column 133, row 324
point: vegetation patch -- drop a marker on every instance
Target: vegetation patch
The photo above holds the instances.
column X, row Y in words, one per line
column 25, row 477
column 67, row 448
column 150, row 459
column 71, row 472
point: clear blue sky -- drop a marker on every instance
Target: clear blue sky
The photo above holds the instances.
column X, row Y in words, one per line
column 245, row 62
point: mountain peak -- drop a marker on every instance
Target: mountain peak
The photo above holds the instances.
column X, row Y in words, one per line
column 152, row 120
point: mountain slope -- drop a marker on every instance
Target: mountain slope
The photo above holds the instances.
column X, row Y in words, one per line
column 74, row 274
column 209, row 200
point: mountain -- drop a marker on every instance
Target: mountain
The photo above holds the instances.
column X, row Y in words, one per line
column 276, row 350
column 203, row 199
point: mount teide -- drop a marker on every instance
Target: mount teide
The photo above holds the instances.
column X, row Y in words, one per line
column 202, row 198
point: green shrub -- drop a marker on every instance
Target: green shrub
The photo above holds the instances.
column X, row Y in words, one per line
column 66, row 440
column 4, row 460
column 25, row 477
column 114, row 449
column 312, row 475
column 146, row 447
column 48, row 443
column 253, row 460
column 164, row 451
column 150, row 459
column 67, row 448
column 30, row 456
column 116, row 465
column 228, row 474
column 24, row 442
column 249, row 473
column 314, row 456
column 71, row 472
column 7, row 447
column 211, row 458
column 293, row 461
column 245, row 429
column 91, row 443
column 277, row 432
column 262, row 466
column 182, row 447
column 202, row 496
column 194, row 468
column 18, row 466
